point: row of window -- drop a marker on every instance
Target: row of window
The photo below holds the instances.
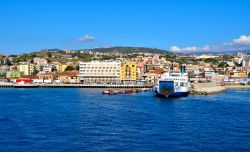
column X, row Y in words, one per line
column 100, row 74
column 99, row 68
column 177, row 79
column 100, row 65
column 82, row 71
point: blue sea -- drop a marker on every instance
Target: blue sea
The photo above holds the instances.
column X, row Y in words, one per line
column 86, row 120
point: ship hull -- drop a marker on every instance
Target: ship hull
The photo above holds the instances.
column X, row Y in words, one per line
column 174, row 92
column 174, row 95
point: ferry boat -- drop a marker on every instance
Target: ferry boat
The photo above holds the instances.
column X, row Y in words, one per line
column 172, row 84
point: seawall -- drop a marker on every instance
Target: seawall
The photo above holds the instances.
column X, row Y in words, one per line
column 9, row 85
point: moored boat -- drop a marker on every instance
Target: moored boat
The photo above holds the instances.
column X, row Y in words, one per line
column 173, row 84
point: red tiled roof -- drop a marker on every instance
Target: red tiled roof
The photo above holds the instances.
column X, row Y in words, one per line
column 29, row 77
column 68, row 73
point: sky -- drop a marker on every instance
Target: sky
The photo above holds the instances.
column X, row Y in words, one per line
column 175, row 25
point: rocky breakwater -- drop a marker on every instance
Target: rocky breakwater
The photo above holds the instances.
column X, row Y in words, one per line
column 206, row 88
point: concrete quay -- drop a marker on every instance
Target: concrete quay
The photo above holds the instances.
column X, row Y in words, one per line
column 12, row 85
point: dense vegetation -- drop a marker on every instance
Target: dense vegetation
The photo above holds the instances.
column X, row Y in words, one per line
column 69, row 68
column 211, row 60
column 132, row 50
column 223, row 65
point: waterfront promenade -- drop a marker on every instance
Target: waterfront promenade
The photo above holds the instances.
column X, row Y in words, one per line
column 196, row 89
column 13, row 85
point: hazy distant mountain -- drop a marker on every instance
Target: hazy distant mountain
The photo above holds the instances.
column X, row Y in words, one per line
column 217, row 52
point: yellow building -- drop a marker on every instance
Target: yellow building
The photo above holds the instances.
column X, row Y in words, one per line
column 24, row 67
column 27, row 68
column 61, row 67
column 128, row 72
column 240, row 74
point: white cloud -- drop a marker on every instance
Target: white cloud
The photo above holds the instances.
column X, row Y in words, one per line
column 190, row 49
column 240, row 43
column 175, row 49
column 87, row 38
column 243, row 40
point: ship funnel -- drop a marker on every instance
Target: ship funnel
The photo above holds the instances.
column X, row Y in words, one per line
column 183, row 69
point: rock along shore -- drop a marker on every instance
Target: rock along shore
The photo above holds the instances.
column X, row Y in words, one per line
column 206, row 89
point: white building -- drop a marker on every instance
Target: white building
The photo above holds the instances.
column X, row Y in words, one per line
column 46, row 68
column 209, row 72
column 246, row 61
column 40, row 61
column 100, row 71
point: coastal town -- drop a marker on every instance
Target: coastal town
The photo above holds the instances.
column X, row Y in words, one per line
column 130, row 67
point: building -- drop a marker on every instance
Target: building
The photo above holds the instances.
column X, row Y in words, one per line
column 24, row 67
column 32, row 69
column 128, row 72
column 40, row 61
column 151, row 77
column 67, row 77
column 47, row 68
column 209, row 72
column 45, row 78
column 99, row 72
column 28, row 78
column 246, row 61
column 61, row 67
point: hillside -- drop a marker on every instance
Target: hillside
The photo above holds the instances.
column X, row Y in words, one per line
column 126, row 50
column 60, row 55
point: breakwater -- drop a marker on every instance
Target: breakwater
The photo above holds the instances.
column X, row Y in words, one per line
column 206, row 89
column 10, row 85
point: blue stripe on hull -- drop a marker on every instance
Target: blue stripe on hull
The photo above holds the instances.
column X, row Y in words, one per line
column 175, row 95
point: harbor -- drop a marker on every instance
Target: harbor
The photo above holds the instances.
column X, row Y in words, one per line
column 195, row 89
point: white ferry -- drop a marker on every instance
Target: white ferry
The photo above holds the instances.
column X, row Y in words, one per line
column 172, row 84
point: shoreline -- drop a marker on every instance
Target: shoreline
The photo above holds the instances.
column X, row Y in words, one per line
column 196, row 89
column 71, row 86
column 213, row 88
column 237, row 86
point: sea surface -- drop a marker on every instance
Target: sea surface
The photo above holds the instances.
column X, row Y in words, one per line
column 86, row 120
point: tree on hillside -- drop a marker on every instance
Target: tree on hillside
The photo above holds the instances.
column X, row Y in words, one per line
column 54, row 69
column 35, row 72
column 223, row 65
column 211, row 60
column 227, row 57
column 77, row 67
column 69, row 68
column 249, row 75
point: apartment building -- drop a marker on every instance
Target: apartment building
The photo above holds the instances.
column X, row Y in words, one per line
column 99, row 72
column 26, row 68
column 128, row 71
